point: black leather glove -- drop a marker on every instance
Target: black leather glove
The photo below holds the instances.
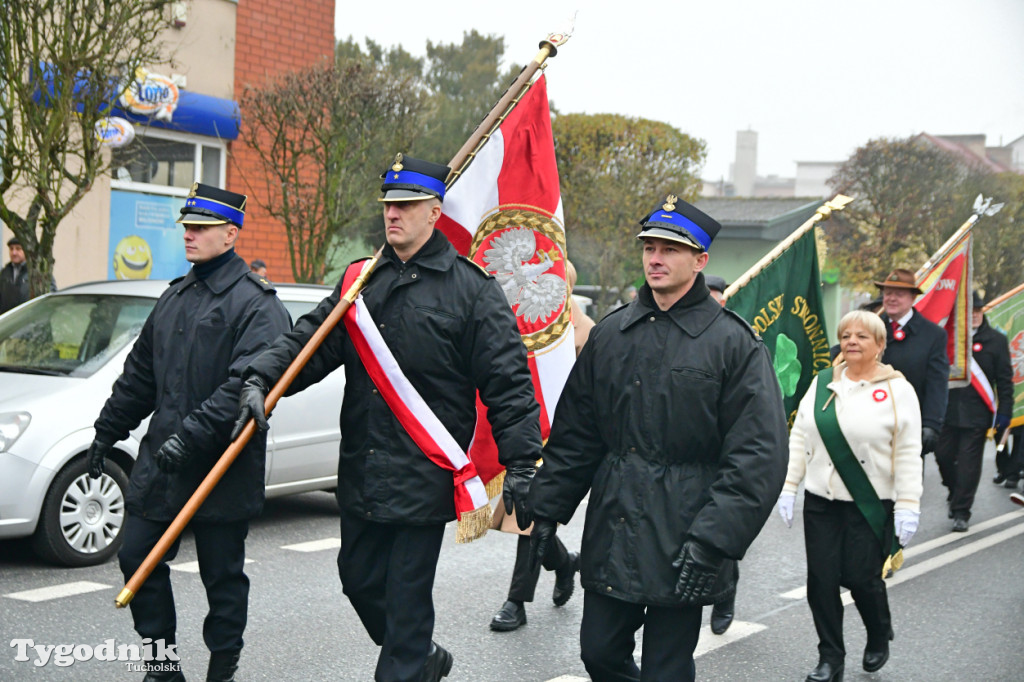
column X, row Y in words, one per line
column 250, row 405
column 516, row 491
column 172, row 455
column 1001, row 424
column 698, row 569
column 540, row 539
column 97, row 454
column 929, row 439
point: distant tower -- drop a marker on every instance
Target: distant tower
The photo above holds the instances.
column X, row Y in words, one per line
column 744, row 170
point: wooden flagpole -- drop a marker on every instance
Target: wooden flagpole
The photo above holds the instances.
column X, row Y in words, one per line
column 548, row 48
column 999, row 299
column 823, row 213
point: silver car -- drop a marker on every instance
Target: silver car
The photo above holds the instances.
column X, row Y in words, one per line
column 59, row 357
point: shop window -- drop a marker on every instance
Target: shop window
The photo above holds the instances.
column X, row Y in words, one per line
column 166, row 165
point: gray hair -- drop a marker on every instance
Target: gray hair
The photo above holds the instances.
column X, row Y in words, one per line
column 870, row 321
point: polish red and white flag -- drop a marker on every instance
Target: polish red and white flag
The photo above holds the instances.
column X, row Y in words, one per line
column 505, row 213
column 947, row 303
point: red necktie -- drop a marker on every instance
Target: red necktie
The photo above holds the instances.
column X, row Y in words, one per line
column 895, row 326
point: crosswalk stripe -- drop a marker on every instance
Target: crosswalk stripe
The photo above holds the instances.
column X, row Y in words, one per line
column 314, row 545
column 912, row 571
column 192, row 566
column 567, row 678
column 739, row 629
column 57, row 591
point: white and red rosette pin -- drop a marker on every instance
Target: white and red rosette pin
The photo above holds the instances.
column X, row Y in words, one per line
column 976, row 347
column 899, row 335
column 879, row 395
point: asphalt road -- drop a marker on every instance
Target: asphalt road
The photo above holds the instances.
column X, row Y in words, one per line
column 958, row 606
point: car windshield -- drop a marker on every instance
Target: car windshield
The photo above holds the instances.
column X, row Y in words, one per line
column 70, row 335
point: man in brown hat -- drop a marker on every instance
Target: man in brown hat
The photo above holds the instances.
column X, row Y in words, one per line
column 916, row 347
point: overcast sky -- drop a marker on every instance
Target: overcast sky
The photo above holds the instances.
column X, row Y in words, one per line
column 815, row 79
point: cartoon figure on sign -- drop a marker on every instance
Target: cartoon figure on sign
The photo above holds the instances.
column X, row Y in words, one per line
column 133, row 258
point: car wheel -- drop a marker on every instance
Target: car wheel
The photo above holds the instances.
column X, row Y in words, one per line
column 80, row 523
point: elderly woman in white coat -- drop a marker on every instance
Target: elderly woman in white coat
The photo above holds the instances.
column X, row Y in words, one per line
column 855, row 445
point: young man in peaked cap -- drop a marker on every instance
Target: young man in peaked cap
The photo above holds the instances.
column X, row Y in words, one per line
column 916, row 346
column 673, row 419
column 451, row 332
column 186, row 371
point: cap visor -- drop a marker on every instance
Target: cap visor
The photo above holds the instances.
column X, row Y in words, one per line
column 662, row 233
column 405, row 195
column 199, row 219
column 899, row 285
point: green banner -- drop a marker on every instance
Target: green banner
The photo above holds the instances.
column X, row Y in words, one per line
column 783, row 304
column 1008, row 317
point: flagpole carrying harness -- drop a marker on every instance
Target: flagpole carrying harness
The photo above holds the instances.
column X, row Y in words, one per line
column 854, row 478
column 411, row 410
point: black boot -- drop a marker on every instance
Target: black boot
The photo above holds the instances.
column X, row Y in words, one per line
column 509, row 617
column 223, row 665
column 875, row 657
column 439, row 663
column 826, row 672
column 722, row 614
column 565, row 579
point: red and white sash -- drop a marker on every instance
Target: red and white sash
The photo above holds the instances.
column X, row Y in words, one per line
column 982, row 386
column 409, row 407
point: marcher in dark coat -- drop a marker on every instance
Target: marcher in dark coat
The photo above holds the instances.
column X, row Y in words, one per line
column 672, row 418
column 186, row 370
column 916, row 347
column 969, row 416
column 452, row 333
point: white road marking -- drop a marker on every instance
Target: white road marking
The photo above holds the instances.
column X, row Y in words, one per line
column 57, row 591
column 738, row 630
column 908, row 572
column 192, row 566
column 567, row 678
column 315, row 545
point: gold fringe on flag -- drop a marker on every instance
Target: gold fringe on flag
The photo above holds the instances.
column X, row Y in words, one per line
column 473, row 525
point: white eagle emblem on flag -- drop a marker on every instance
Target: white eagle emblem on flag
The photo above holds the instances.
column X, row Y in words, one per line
column 527, row 284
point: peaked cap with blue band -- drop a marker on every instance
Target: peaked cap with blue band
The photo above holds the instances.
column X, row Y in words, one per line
column 411, row 179
column 678, row 221
column 208, row 205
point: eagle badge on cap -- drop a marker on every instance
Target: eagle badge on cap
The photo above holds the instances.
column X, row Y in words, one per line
column 398, row 163
column 195, row 188
column 670, row 202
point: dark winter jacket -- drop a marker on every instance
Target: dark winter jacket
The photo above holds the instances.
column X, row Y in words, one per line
column 674, row 421
column 185, row 369
column 921, row 357
column 991, row 351
column 452, row 332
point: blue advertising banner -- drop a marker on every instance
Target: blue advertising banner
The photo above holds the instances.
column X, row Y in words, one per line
column 145, row 242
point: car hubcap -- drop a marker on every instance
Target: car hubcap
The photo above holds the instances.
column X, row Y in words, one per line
column 91, row 513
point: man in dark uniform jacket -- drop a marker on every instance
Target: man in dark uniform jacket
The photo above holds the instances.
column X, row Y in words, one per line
column 916, row 347
column 186, row 370
column 672, row 418
column 452, row 333
column 971, row 413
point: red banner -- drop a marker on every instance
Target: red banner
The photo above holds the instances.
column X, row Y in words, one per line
column 947, row 303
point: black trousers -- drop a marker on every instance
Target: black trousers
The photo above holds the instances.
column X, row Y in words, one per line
column 958, row 455
column 387, row 572
column 524, row 581
column 843, row 551
column 220, row 548
column 607, row 640
column 1010, row 462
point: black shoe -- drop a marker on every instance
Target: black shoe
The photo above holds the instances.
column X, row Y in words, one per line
column 509, row 617
column 826, row 672
column 874, row 659
column 565, row 580
column 998, row 478
column 223, row 665
column 721, row 615
column 960, row 525
column 1011, row 483
column 439, row 663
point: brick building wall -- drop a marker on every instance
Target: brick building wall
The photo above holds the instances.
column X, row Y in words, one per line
column 272, row 37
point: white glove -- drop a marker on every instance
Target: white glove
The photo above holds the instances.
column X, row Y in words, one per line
column 786, row 502
column 905, row 521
